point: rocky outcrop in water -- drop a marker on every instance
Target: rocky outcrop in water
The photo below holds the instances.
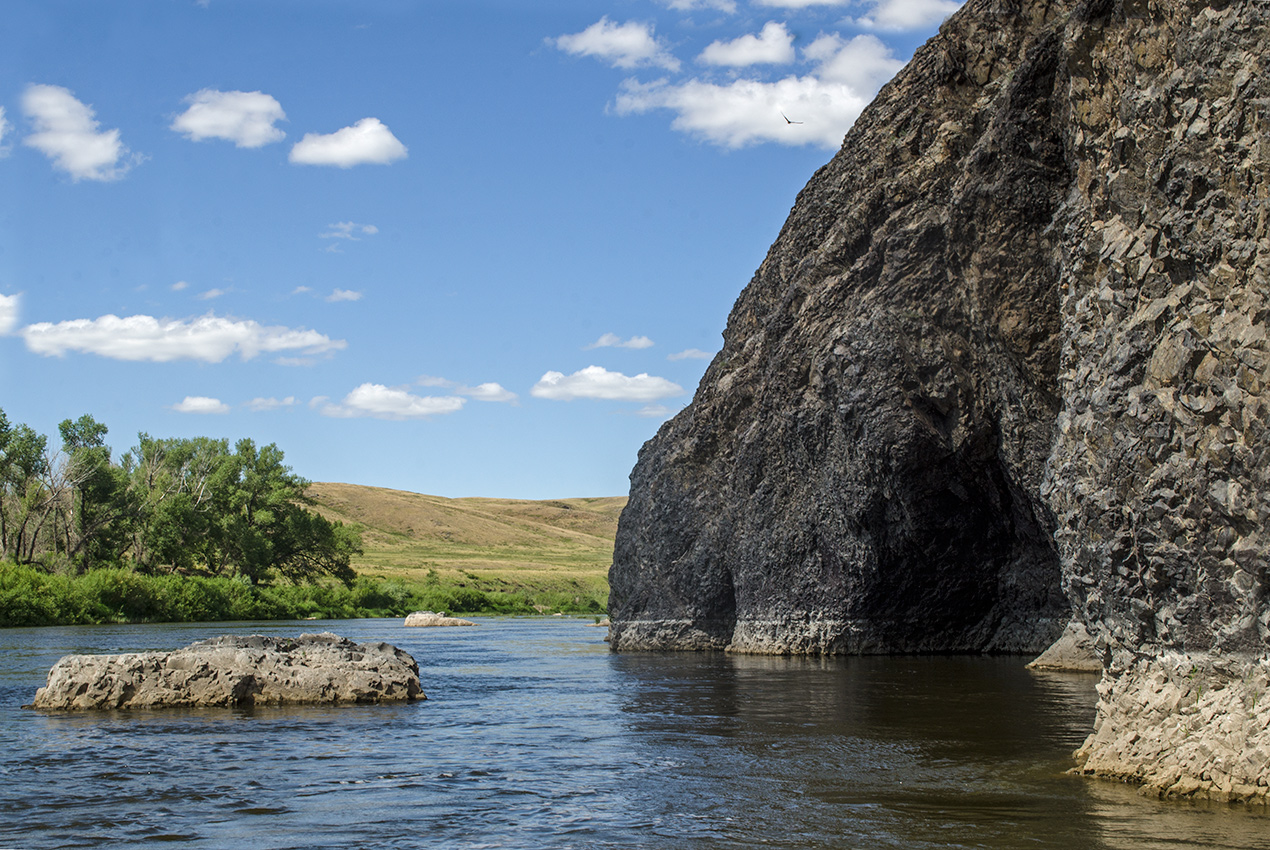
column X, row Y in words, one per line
column 1006, row 360
column 235, row 671
column 427, row 619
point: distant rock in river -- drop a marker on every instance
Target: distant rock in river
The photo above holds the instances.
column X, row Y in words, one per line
column 425, row 619
column 235, row 671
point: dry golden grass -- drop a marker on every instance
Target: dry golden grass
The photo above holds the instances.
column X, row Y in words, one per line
column 562, row 545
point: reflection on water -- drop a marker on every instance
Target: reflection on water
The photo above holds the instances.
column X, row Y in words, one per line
column 535, row 736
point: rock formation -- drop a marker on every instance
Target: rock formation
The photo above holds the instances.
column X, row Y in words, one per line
column 424, row 619
column 1005, row 363
column 235, row 671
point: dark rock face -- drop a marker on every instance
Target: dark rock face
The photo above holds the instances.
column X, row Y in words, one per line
column 860, row 469
column 1011, row 339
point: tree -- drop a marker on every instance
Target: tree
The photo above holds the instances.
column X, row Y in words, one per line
column 100, row 513
column 265, row 526
column 25, row 497
column 174, row 482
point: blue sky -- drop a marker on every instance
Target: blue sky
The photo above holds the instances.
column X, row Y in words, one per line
column 477, row 248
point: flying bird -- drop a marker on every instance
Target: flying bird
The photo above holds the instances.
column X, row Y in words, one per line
column 787, row 121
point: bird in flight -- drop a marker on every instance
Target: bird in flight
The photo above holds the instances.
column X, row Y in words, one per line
column 787, row 121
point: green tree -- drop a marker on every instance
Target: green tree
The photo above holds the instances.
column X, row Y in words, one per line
column 174, row 482
column 26, row 499
column 101, row 510
column 265, row 527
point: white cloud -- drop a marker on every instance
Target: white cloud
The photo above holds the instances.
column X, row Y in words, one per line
column 655, row 411
column 65, row 131
column 179, row 285
column 773, row 46
column 145, row 338
column 746, row 112
column 688, row 5
column 615, row 341
column 5, row 127
column 367, row 141
column 300, row 290
column 262, row 404
column 628, row 45
column 803, row 4
column 348, row 230
column 9, row 305
column 690, row 354
column 903, row 15
column 821, row 106
column 862, row 63
column 343, row 295
column 245, row 118
column 599, row 383
column 489, row 391
column 210, row 294
column 200, row 404
column 381, row 402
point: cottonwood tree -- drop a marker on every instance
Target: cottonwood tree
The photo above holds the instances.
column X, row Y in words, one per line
column 265, row 527
column 26, row 495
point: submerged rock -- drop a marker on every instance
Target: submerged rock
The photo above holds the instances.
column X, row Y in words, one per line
column 235, row 671
column 431, row 618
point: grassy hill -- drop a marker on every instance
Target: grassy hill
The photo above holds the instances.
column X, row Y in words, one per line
column 555, row 554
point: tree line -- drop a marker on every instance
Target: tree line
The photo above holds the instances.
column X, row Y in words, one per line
column 176, row 505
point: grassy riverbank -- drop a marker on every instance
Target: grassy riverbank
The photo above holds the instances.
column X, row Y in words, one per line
column 471, row 556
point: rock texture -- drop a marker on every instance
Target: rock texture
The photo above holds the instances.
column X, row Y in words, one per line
column 860, row 470
column 1185, row 726
column 234, row 671
column 1075, row 651
column 1006, row 362
column 424, row 619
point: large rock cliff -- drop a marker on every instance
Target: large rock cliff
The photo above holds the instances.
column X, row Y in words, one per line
column 1005, row 363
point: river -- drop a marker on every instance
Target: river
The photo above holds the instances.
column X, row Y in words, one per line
column 535, row 736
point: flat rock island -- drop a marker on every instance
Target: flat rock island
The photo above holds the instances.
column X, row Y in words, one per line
column 424, row 619
column 235, row 671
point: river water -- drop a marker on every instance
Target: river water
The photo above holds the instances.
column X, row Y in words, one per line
column 535, row 736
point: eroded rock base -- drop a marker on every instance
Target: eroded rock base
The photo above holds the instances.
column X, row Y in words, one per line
column 1185, row 726
column 235, row 671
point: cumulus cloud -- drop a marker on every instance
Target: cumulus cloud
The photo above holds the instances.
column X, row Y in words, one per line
column 245, row 118
column 179, row 285
column 773, row 46
column 903, row 15
column 348, row 230
column 862, row 63
column 209, row 338
column 690, row 354
column 689, row 5
column 628, row 45
column 210, row 294
column 262, row 404
column 380, row 402
column 343, row 295
column 804, row 4
column 599, row 383
column 66, row 131
column 367, row 141
column 200, row 404
column 5, row 127
column 489, row 391
column 9, row 313
column 742, row 112
column 615, row 341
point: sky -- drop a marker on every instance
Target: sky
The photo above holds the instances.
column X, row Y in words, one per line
column 455, row 247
